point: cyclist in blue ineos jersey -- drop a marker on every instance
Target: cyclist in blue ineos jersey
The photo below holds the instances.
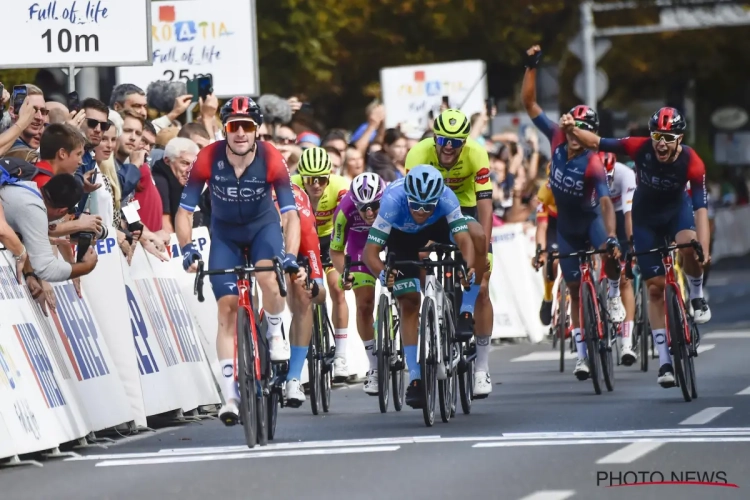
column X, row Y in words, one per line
column 415, row 210
column 662, row 208
column 241, row 173
column 585, row 213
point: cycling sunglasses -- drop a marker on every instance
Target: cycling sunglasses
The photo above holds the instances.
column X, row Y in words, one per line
column 92, row 124
column 246, row 125
column 321, row 180
column 418, row 206
column 373, row 205
column 449, row 141
column 584, row 126
column 658, row 136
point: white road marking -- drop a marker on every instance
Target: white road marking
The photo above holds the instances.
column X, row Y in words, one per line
column 744, row 392
column 569, row 442
column 705, row 415
column 705, row 347
column 727, row 335
column 630, row 453
column 240, row 456
column 543, row 356
column 550, row 495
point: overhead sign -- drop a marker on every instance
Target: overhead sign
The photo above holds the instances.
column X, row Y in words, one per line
column 601, row 47
column 191, row 38
column 63, row 33
column 704, row 17
column 729, row 118
column 602, row 84
column 411, row 92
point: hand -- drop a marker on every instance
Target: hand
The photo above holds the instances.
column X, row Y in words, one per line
column 209, row 106
column 290, row 264
column 301, row 278
column 377, row 115
column 138, row 157
column 567, row 122
column 613, row 246
column 533, row 56
column 189, row 255
column 151, row 247
column 5, row 97
column 539, row 260
column 381, row 277
column 181, row 104
column 468, row 280
column 20, row 263
column 25, row 115
column 90, row 223
column 47, row 298
column 295, row 104
column 91, row 258
column 532, row 137
column 88, row 186
column 76, row 118
column 77, row 286
column 348, row 284
column 35, row 287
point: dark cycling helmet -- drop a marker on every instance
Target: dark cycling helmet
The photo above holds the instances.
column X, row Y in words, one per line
column 667, row 120
column 241, row 107
column 586, row 118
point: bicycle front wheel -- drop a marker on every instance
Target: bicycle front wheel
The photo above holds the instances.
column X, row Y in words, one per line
column 446, row 388
column 677, row 342
column 591, row 331
column 383, row 346
column 428, row 359
column 562, row 322
column 247, row 378
column 325, row 354
column 398, row 374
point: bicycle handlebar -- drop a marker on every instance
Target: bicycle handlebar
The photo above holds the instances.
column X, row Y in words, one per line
column 311, row 285
column 428, row 263
column 240, row 270
column 554, row 254
column 348, row 264
column 664, row 251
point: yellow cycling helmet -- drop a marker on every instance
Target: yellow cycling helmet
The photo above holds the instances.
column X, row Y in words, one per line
column 314, row 162
column 453, row 124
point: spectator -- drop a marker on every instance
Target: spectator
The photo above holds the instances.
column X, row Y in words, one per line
column 31, row 133
column 335, row 142
column 193, row 131
column 147, row 196
column 380, row 163
column 170, row 176
column 308, row 140
column 29, row 211
column 336, row 160
column 127, row 143
column 10, row 240
column 162, row 139
column 370, row 132
column 285, row 141
column 148, row 139
column 127, row 96
column 93, row 128
column 394, row 145
column 102, row 153
column 60, row 152
column 208, row 119
column 413, row 134
column 354, row 163
column 479, row 123
column 58, row 113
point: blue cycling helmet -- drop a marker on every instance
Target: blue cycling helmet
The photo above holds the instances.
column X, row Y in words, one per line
column 424, row 184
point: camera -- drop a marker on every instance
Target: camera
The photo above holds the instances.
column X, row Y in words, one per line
column 84, row 239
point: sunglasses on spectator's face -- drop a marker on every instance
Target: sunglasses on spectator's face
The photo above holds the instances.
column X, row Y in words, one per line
column 658, row 136
column 373, row 205
column 43, row 111
column 246, row 125
column 321, row 180
column 92, row 124
column 266, row 137
column 417, row 206
column 285, row 140
column 449, row 141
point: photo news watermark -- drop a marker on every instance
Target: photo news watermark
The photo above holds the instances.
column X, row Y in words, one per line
column 612, row 479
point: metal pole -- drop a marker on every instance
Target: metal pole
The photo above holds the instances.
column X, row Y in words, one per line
column 589, row 58
column 71, row 78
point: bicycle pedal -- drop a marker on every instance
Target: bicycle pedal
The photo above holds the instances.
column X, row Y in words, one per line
column 229, row 420
column 479, row 396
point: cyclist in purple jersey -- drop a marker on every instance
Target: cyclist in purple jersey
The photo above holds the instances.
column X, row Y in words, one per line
column 585, row 213
column 241, row 174
column 662, row 209
column 352, row 220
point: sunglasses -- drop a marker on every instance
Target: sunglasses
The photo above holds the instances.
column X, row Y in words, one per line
column 373, row 205
column 448, row 141
column 321, row 180
column 285, row 141
column 418, row 206
column 246, row 125
column 266, row 137
column 584, row 126
column 658, row 136
column 92, row 124
column 43, row 111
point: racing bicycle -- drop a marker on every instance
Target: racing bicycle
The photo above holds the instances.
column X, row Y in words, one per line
column 259, row 379
column 682, row 332
column 560, row 326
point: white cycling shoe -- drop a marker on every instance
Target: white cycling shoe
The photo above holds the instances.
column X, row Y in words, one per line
column 294, row 394
column 340, row 370
column 701, row 311
column 371, row 383
column 628, row 356
column 279, row 348
column 581, row 371
column 229, row 413
column 482, row 384
column 615, row 309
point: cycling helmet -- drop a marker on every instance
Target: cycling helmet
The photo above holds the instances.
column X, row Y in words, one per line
column 585, row 118
column 452, row 123
column 314, row 162
column 608, row 159
column 667, row 120
column 366, row 188
column 424, row 184
column 241, row 107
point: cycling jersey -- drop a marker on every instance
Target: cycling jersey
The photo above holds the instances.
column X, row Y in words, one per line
column 469, row 178
column 546, row 201
column 622, row 189
column 245, row 199
column 336, row 188
column 395, row 214
column 309, row 245
column 350, row 232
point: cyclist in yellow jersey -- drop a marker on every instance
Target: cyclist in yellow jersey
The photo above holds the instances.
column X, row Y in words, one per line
column 325, row 191
column 546, row 236
column 465, row 167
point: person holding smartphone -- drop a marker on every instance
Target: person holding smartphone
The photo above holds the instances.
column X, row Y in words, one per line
column 23, row 120
column 30, row 133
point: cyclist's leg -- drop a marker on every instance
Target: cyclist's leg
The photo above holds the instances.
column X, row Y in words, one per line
column 340, row 313
column 224, row 255
column 568, row 243
column 610, row 267
column 364, row 295
column 545, row 314
column 684, row 231
column 627, row 355
column 267, row 243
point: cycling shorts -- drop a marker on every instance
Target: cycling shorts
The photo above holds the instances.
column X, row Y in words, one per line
column 551, row 232
column 652, row 227
column 263, row 238
column 573, row 241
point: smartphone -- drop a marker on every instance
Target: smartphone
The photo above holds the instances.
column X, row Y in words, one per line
column 192, row 89
column 306, row 108
column 74, row 103
column 19, row 95
column 446, row 101
column 205, row 86
column 488, row 106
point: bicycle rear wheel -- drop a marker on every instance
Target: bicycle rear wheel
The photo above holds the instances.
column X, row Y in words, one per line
column 590, row 330
column 605, row 353
column 325, row 355
column 640, row 329
column 247, row 378
column 273, row 411
column 693, row 354
column 466, row 375
column 677, row 343
column 398, row 374
column 446, row 388
column 383, row 346
column 428, row 360
column 562, row 322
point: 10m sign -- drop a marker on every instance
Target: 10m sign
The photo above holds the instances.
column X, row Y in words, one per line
column 65, row 41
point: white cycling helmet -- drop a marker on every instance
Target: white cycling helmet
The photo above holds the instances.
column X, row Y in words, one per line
column 367, row 188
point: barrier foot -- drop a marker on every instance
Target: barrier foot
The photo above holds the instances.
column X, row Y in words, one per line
column 144, row 428
column 56, row 453
column 92, row 438
column 15, row 461
column 84, row 443
column 181, row 417
column 200, row 414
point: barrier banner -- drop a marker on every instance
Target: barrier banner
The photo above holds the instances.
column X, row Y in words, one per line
column 105, row 292
column 196, row 371
column 154, row 351
column 29, row 391
column 732, row 237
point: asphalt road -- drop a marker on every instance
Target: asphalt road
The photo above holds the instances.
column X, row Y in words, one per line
column 541, row 435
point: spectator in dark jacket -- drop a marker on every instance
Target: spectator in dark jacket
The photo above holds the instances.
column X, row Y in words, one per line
column 171, row 174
